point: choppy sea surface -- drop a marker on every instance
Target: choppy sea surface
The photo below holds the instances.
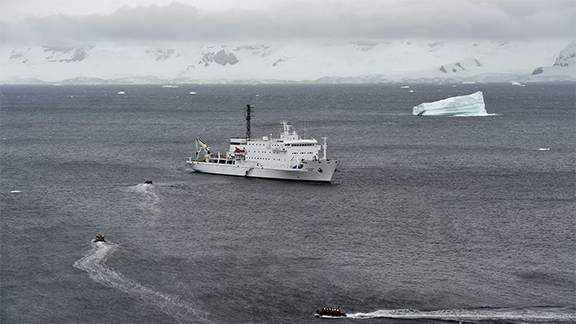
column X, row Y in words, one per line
column 429, row 219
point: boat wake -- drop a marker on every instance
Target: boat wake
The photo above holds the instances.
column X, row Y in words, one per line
column 94, row 263
column 151, row 201
column 534, row 314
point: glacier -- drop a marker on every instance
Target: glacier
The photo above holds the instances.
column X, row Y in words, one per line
column 403, row 61
column 460, row 106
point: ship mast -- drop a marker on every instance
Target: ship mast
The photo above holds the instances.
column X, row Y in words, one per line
column 248, row 117
column 324, row 148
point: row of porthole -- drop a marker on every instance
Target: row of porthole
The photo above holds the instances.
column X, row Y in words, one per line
column 268, row 159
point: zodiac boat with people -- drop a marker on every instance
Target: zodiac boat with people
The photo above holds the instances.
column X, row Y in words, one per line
column 288, row 157
column 329, row 312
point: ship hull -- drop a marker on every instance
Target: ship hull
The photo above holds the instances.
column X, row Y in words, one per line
column 318, row 171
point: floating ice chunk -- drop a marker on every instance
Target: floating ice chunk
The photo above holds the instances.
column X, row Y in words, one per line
column 411, row 91
column 544, row 149
column 169, row 86
column 120, row 93
column 405, row 87
column 461, row 106
column 192, row 92
column 15, row 191
column 515, row 83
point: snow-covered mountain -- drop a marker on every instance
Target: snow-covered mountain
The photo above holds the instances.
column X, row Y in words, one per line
column 354, row 61
column 564, row 67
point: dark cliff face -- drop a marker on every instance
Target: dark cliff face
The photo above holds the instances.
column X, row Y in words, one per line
column 460, row 66
column 538, row 70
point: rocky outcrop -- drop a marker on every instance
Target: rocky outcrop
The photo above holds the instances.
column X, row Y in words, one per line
column 538, row 70
column 459, row 67
column 567, row 57
column 278, row 61
column 65, row 54
column 221, row 57
column 19, row 55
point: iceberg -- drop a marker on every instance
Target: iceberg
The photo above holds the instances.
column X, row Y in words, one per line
column 461, row 106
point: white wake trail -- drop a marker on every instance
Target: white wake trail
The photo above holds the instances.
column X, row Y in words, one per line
column 538, row 314
column 94, row 263
column 150, row 200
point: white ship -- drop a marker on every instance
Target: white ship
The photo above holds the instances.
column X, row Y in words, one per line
column 288, row 157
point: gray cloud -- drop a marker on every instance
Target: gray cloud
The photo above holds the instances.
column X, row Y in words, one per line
column 392, row 19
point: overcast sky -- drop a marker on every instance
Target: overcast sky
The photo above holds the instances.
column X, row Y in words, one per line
column 71, row 21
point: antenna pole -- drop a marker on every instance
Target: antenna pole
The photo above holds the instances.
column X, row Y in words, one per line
column 248, row 117
column 324, row 148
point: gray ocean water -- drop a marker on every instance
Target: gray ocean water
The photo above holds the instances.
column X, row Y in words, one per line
column 428, row 219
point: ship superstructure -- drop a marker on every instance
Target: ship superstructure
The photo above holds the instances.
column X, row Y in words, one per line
column 288, row 157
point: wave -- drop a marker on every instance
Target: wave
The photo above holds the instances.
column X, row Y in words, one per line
column 536, row 314
column 94, row 263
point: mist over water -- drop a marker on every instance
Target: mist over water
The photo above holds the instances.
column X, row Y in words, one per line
column 428, row 219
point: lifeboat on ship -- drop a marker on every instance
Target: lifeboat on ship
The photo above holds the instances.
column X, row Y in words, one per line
column 239, row 151
column 329, row 312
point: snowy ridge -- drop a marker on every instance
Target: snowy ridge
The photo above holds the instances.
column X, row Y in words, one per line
column 359, row 61
column 564, row 67
column 567, row 57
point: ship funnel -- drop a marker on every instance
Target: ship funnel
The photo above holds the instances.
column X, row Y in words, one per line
column 248, row 118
